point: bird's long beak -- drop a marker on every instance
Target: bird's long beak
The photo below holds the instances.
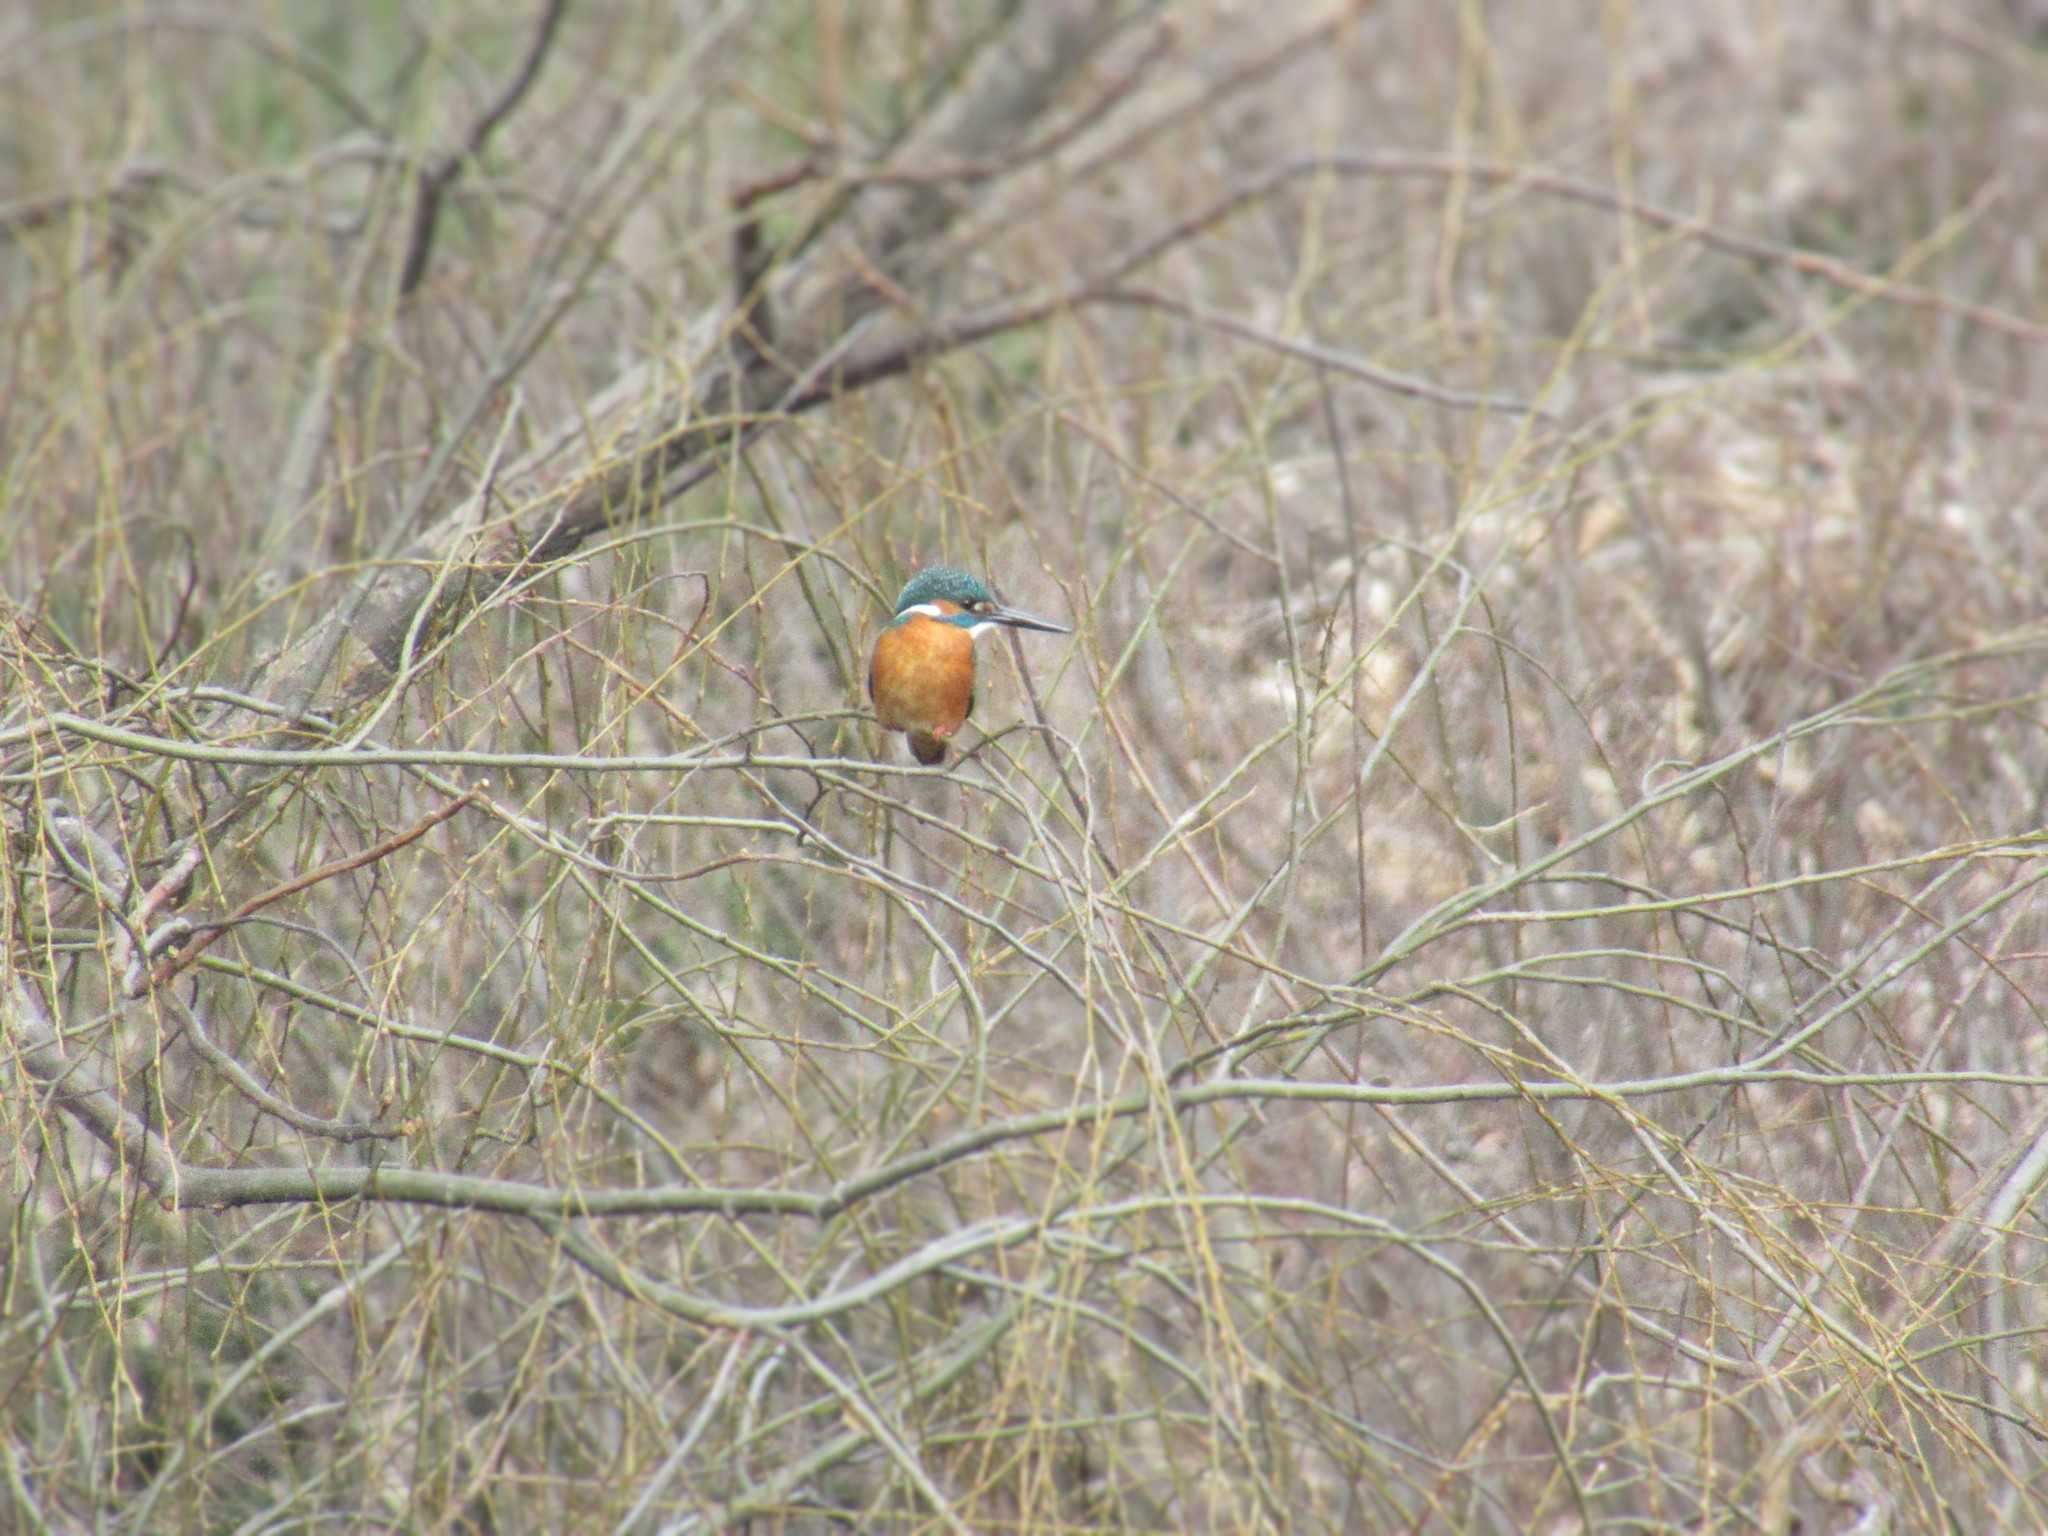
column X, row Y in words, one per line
column 1017, row 618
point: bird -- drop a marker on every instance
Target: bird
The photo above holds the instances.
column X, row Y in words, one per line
column 921, row 675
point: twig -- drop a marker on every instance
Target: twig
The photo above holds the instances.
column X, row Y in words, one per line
column 438, row 175
column 204, row 934
column 1327, row 357
column 245, row 1082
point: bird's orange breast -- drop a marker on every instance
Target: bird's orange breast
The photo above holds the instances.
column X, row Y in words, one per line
column 922, row 676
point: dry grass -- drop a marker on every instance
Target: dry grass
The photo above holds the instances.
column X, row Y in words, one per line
column 1493, row 984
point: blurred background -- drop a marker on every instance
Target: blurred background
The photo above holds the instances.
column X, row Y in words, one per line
column 1492, row 984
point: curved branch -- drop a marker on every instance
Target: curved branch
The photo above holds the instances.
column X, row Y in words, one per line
column 436, row 177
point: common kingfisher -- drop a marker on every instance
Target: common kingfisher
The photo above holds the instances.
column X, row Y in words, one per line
column 921, row 676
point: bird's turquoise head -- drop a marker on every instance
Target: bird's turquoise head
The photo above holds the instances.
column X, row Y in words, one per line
column 949, row 595
column 944, row 584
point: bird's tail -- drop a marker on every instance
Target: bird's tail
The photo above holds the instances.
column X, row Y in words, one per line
column 928, row 750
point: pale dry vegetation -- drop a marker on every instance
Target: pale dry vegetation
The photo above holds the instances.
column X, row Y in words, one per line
column 1494, row 984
